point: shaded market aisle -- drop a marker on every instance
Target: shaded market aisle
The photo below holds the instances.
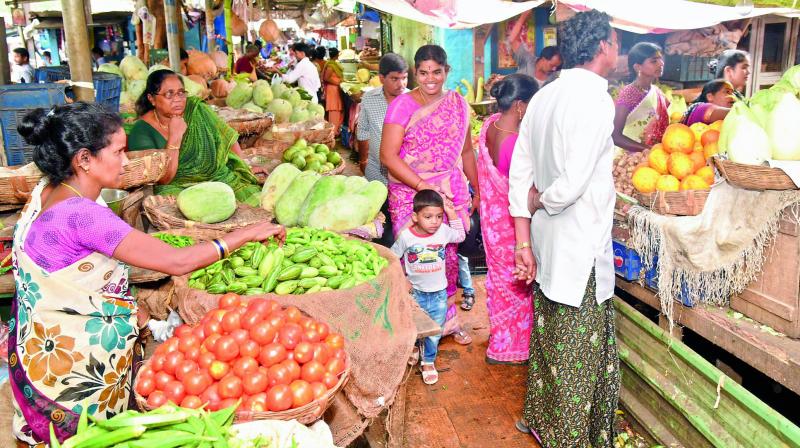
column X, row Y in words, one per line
column 474, row 404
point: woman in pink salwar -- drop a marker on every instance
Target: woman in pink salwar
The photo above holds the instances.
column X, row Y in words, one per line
column 508, row 300
column 426, row 145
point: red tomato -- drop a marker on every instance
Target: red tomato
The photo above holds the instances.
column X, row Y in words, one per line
column 272, row 306
column 230, row 387
column 182, row 330
column 290, row 355
column 263, row 333
column 162, row 379
column 321, row 352
column 278, row 375
column 312, row 371
column 306, row 322
column 240, row 335
column 272, row 354
column 196, row 382
column 211, row 396
column 200, row 331
column 175, row 391
column 145, row 386
column 304, row 352
column 218, row 369
column 259, row 307
column 254, row 383
column 257, row 403
column 301, row 393
column 211, row 341
column 335, row 340
column 244, row 366
column 279, row 398
column 171, row 361
column 323, row 330
column 226, row 348
column 228, row 301
column 187, row 342
column 319, row 390
column 205, row 359
column 186, row 366
column 310, row 335
column 293, row 314
column 191, row 402
column 293, row 368
column 146, row 371
column 335, row 366
column 276, row 319
column 193, row 353
column 290, row 335
column 231, row 321
column 228, row 402
column 250, row 319
column 171, row 345
column 211, row 328
column 158, row 399
column 249, row 348
column 329, row 380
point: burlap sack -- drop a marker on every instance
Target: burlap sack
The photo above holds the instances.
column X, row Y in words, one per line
column 376, row 320
column 155, row 299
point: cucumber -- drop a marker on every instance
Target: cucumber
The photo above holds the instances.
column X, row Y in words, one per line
column 290, row 273
column 286, row 287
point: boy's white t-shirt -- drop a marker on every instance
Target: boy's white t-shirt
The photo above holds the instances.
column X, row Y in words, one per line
column 424, row 255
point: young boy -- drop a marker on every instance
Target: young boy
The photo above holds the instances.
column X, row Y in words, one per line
column 422, row 248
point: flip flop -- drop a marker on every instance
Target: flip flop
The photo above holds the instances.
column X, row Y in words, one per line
column 468, row 303
column 430, row 376
column 522, row 427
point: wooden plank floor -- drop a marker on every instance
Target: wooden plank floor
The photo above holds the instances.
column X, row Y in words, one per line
column 474, row 404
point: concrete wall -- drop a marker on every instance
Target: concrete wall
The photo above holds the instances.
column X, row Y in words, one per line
column 459, row 45
column 407, row 37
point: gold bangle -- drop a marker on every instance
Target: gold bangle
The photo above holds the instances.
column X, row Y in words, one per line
column 173, row 147
column 521, row 246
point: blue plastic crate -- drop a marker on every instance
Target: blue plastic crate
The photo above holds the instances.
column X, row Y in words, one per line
column 16, row 101
column 107, row 86
column 52, row 74
column 627, row 263
column 651, row 281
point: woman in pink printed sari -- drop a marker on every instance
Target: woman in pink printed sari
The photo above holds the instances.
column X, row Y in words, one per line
column 508, row 300
column 426, row 145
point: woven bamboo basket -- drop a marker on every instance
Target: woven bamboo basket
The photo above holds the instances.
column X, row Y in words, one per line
column 141, row 275
column 251, row 127
column 754, row 177
column 270, row 155
column 162, row 211
column 327, row 133
column 681, row 203
column 305, row 414
column 15, row 189
column 144, row 170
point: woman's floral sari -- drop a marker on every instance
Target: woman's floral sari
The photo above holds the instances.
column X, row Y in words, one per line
column 72, row 340
column 508, row 300
column 648, row 118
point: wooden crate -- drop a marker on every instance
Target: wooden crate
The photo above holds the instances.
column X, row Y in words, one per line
column 774, row 297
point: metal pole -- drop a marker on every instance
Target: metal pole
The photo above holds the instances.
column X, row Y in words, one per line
column 80, row 60
column 210, row 36
column 227, row 5
column 173, row 43
column 5, row 68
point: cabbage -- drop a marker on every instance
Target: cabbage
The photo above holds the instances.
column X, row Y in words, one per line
column 114, row 70
column 741, row 137
column 782, row 128
column 207, row 202
column 292, row 97
column 278, row 181
column 239, row 95
column 792, row 78
column 133, row 68
column 316, row 110
column 298, row 115
column 303, row 104
column 136, row 89
column 158, row 67
column 262, row 94
column 280, row 108
column 278, row 89
column 355, row 183
column 252, row 107
column 192, row 88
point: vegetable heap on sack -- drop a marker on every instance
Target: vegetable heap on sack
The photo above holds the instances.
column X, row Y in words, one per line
column 765, row 127
column 312, row 157
column 253, row 352
column 311, row 261
column 337, row 203
column 287, row 104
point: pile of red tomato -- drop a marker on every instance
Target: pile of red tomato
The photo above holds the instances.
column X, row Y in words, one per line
column 271, row 358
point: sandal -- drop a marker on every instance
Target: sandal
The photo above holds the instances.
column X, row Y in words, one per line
column 468, row 303
column 522, row 427
column 414, row 358
column 429, row 376
column 461, row 337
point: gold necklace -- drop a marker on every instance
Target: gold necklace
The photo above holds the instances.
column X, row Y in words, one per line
column 72, row 188
column 155, row 114
column 494, row 123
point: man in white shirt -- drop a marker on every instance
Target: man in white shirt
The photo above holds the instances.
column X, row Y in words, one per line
column 304, row 73
column 564, row 151
column 21, row 70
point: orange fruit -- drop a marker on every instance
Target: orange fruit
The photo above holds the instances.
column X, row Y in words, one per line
column 698, row 159
column 675, row 117
column 711, row 135
column 644, row 179
column 698, row 129
column 668, row 182
column 680, row 165
column 710, row 150
column 678, row 138
column 717, row 125
column 657, row 160
column 707, row 174
column 693, row 182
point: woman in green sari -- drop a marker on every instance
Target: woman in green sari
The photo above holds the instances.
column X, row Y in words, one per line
column 200, row 145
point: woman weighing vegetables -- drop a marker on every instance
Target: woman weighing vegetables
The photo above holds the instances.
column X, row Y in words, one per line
column 74, row 330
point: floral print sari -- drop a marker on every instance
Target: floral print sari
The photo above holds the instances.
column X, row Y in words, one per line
column 72, row 340
column 648, row 117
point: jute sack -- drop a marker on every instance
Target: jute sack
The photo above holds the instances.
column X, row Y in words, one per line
column 375, row 318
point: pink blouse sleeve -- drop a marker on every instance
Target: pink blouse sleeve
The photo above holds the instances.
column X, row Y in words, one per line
column 400, row 110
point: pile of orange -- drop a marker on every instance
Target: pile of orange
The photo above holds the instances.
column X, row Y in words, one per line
column 680, row 161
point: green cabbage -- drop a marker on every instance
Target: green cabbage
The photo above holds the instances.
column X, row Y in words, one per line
column 239, row 95
column 133, row 68
column 158, row 67
column 262, row 94
column 278, row 89
column 292, row 97
column 114, row 70
column 278, row 181
column 281, row 109
column 298, row 116
column 316, row 110
column 136, row 89
column 207, row 202
column 742, row 138
column 782, row 128
column 252, row 107
column 192, row 88
column 792, row 78
column 355, row 183
column 288, row 207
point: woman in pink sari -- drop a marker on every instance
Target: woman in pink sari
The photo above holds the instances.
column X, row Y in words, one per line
column 426, row 145
column 508, row 300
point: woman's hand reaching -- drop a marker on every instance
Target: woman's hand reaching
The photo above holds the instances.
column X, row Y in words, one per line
column 525, row 265
column 265, row 230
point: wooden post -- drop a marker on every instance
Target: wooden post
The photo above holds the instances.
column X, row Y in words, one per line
column 80, row 60
column 5, row 68
column 173, row 44
column 210, row 36
column 179, row 21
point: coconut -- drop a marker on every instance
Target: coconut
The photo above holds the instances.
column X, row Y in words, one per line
column 269, row 31
column 201, row 64
column 220, row 58
column 238, row 26
column 220, row 87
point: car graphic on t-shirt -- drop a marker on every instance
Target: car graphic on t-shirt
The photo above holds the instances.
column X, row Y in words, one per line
column 432, row 253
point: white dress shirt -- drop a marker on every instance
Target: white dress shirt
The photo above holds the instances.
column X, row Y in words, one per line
column 306, row 75
column 565, row 149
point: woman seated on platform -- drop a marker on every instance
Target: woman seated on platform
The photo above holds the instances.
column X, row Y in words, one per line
column 200, row 145
column 713, row 103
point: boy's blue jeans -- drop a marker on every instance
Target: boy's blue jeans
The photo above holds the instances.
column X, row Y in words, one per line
column 435, row 304
column 464, row 277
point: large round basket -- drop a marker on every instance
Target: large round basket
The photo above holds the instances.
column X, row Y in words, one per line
column 322, row 132
column 17, row 183
column 305, row 414
column 270, row 154
column 148, row 169
column 141, row 275
column 245, row 122
column 754, row 177
column 162, row 211
column 681, row 203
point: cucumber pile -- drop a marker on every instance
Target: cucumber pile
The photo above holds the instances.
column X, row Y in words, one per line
column 311, row 260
